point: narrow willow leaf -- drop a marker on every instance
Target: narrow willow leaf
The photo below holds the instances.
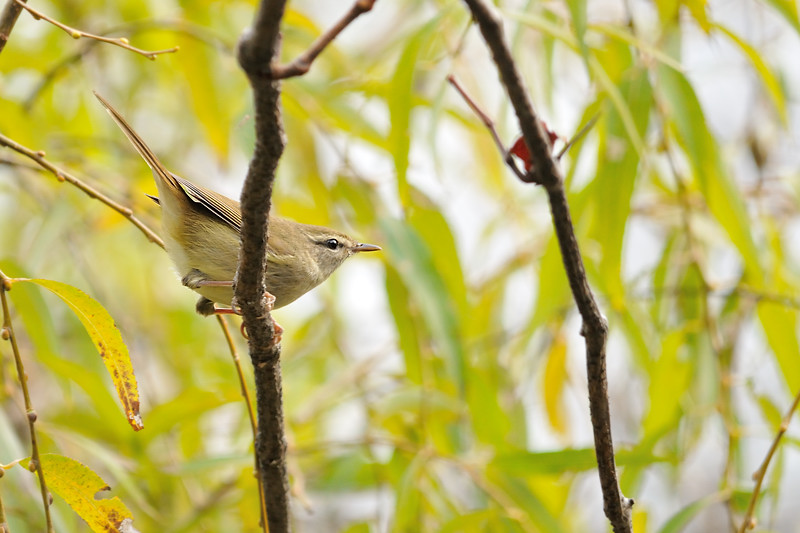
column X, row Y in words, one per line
column 669, row 379
column 528, row 502
column 554, row 380
column 780, row 328
column 681, row 519
column 788, row 10
column 472, row 522
column 435, row 230
column 769, row 79
column 577, row 9
column 617, row 173
column 410, row 496
column 523, row 463
column 724, row 199
column 106, row 337
column 625, row 35
column 400, row 99
column 198, row 64
column 416, row 267
column 78, row 485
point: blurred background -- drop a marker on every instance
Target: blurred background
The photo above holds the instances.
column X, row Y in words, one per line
column 438, row 385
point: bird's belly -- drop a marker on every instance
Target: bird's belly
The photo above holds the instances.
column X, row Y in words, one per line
column 214, row 253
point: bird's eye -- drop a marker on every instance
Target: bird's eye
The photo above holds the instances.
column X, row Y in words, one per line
column 332, row 244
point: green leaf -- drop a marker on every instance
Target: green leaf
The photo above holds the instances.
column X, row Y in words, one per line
column 199, row 64
column 780, row 328
column 414, row 262
column 525, row 463
column 405, row 321
column 625, row 35
column 434, row 229
column 788, row 10
column 554, row 379
column 401, row 103
column 681, row 519
column 410, row 496
column 108, row 340
column 78, row 486
column 577, row 9
column 724, row 199
column 617, row 173
column 669, row 380
column 770, row 81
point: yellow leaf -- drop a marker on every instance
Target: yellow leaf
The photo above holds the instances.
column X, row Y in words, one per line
column 555, row 375
column 106, row 337
column 78, row 485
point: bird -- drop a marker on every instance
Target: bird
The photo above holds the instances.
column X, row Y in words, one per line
column 202, row 233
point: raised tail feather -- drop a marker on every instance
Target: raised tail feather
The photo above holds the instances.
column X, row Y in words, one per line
column 147, row 154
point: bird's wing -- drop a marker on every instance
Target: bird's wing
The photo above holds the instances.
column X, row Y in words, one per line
column 222, row 207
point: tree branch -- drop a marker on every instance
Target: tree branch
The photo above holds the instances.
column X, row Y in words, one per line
column 8, row 18
column 7, row 333
column 257, row 48
column 63, row 175
column 302, row 63
column 77, row 34
column 544, row 171
column 749, row 522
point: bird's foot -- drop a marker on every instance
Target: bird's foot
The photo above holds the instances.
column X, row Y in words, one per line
column 236, row 310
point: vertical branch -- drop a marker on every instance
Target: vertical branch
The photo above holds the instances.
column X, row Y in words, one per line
column 8, row 18
column 7, row 333
column 237, row 363
column 257, row 48
column 544, row 171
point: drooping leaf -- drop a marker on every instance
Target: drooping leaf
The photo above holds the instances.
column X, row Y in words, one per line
column 108, row 340
column 414, row 261
column 78, row 486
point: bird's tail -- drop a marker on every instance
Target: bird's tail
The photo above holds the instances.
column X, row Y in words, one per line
column 159, row 170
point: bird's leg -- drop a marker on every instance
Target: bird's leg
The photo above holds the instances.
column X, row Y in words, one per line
column 206, row 307
column 196, row 279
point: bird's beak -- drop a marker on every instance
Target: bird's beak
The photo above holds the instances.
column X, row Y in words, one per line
column 362, row 247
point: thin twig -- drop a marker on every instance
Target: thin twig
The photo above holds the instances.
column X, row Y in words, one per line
column 182, row 27
column 63, row 175
column 237, row 363
column 122, row 42
column 8, row 18
column 302, row 63
column 544, row 171
column 489, row 123
column 578, row 136
column 749, row 522
column 9, row 335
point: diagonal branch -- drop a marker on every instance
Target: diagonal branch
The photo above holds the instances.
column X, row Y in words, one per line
column 302, row 63
column 749, row 522
column 544, row 171
column 489, row 123
column 77, row 34
column 63, row 175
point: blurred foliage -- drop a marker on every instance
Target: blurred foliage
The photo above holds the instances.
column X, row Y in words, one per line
column 438, row 385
